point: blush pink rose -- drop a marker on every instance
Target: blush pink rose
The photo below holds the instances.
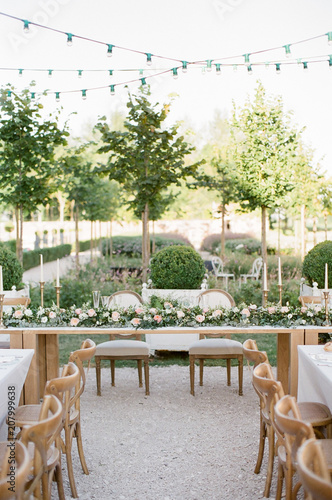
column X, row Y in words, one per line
column 303, row 309
column 52, row 315
column 271, row 310
column 18, row 314
column 284, row 309
column 139, row 310
column 91, row 312
column 115, row 316
column 78, row 311
column 217, row 313
column 200, row 318
column 180, row 314
column 74, row 321
column 157, row 318
column 245, row 312
column 135, row 321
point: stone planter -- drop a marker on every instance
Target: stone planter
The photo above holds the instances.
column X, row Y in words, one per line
column 176, row 342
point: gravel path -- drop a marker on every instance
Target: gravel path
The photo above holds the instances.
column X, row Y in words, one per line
column 169, row 445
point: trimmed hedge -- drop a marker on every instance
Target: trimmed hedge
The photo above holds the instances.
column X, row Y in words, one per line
column 314, row 264
column 31, row 258
column 131, row 246
column 11, row 268
column 177, row 267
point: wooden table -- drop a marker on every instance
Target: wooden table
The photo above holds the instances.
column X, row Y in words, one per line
column 45, row 363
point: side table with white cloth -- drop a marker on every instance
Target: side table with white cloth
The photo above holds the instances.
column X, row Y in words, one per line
column 315, row 374
column 14, row 366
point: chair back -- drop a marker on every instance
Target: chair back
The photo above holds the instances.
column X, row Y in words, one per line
column 268, row 389
column 125, row 298
column 22, row 468
column 217, row 265
column 252, row 354
column 84, row 354
column 292, row 430
column 257, row 267
column 43, row 434
column 313, row 471
column 310, row 300
column 215, row 298
column 16, row 301
column 64, row 388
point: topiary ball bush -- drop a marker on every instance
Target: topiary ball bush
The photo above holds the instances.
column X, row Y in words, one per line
column 12, row 270
column 177, row 267
column 314, row 264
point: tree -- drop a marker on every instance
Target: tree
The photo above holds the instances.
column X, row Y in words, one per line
column 264, row 150
column 27, row 149
column 325, row 199
column 146, row 159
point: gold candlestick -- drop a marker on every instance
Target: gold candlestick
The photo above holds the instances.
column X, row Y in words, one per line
column 57, row 289
column 280, row 294
column 326, row 298
column 42, row 283
column 2, row 326
column 265, row 295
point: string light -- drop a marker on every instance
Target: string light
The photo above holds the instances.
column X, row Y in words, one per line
column 329, row 37
column 249, row 68
column 209, row 65
column 278, row 68
column 109, row 50
column 110, row 71
column 305, row 65
column 143, row 81
column 330, row 61
column 148, row 59
column 234, row 68
column 26, row 26
column 218, row 70
column 33, row 95
column 57, row 96
column 9, row 93
column 50, row 73
column 80, row 73
column 246, row 58
column 141, row 72
column 20, row 72
column 69, row 39
column 84, row 94
column 184, row 66
column 287, row 50
column 175, row 73
column 112, row 89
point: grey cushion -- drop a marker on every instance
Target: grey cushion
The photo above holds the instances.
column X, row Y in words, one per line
column 122, row 348
column 216, row 346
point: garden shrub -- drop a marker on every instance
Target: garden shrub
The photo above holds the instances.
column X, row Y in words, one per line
column 177, row 267
column 314, row 264
column 11, row 245
column 131, row 246
column 31, row 258
column 212, row 241
column 11, row 268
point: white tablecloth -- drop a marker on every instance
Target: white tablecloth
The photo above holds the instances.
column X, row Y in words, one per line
column 14, row 366
column 315, row 374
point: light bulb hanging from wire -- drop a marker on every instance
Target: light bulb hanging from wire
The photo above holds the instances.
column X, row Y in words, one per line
column 57, row 96
column 329, row 37
column 305, row 65
column 80, row 73
column 184, row 66
column 148, row 59
column 249, row 69
column 110, row 72
column 218, row 69
column 246, row 59
column 50, row 71
column 278, row 69
column 112, row 89
column 26, row 26
column 69, row 39
column 109, row 50
column 287, row 50
column 20, row 72
column 33, row 95
column 330, row 61
column 175, row 73
column 84, row 94
column 209, row 65
column 143, row 81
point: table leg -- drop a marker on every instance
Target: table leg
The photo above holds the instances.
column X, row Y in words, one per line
column 31, row 386
column 42, row 363
column 310, row 337
column 296, row 338
column 283, row 359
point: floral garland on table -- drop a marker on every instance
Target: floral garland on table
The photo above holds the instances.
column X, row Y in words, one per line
column 169, row 315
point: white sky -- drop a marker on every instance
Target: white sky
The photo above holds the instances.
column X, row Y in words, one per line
column 182, row 29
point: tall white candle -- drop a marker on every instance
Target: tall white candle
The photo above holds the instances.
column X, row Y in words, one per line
column 57, row 272
column 1, row 284
column 326, row 276
column 279, row 271
column 41, row 268
column 264, row 277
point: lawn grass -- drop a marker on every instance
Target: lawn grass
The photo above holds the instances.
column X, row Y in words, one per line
column 68, row 343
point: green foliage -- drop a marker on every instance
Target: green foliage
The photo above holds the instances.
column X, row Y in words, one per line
column 177, row 267
column 11, row 268
column 131, row 246
column 31, row 258
column 11, row 245
column 314, row 264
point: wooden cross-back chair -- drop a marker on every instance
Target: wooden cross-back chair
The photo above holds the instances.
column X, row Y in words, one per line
column 63, row 388
column 211, row 346
column 13, row 454
column 42, row 439
column 310, row 300
column 270, row 392
column 313, row 471
column 292, row 431
column 123, row 346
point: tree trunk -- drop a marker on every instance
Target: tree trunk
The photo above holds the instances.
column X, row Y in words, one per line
column 153, row 239
column 145, row 242
column 111, row 241
column 100, row 239
column 325, row 224
column 20, row 238
column 77, row 243
column 17, row 232
column 222, row 241
column 314, row 230
column 264, row 245
column 91, row 240
column 303, row 242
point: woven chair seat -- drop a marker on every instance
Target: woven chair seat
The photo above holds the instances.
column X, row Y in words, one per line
column 216, row 346
column 122, row 348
